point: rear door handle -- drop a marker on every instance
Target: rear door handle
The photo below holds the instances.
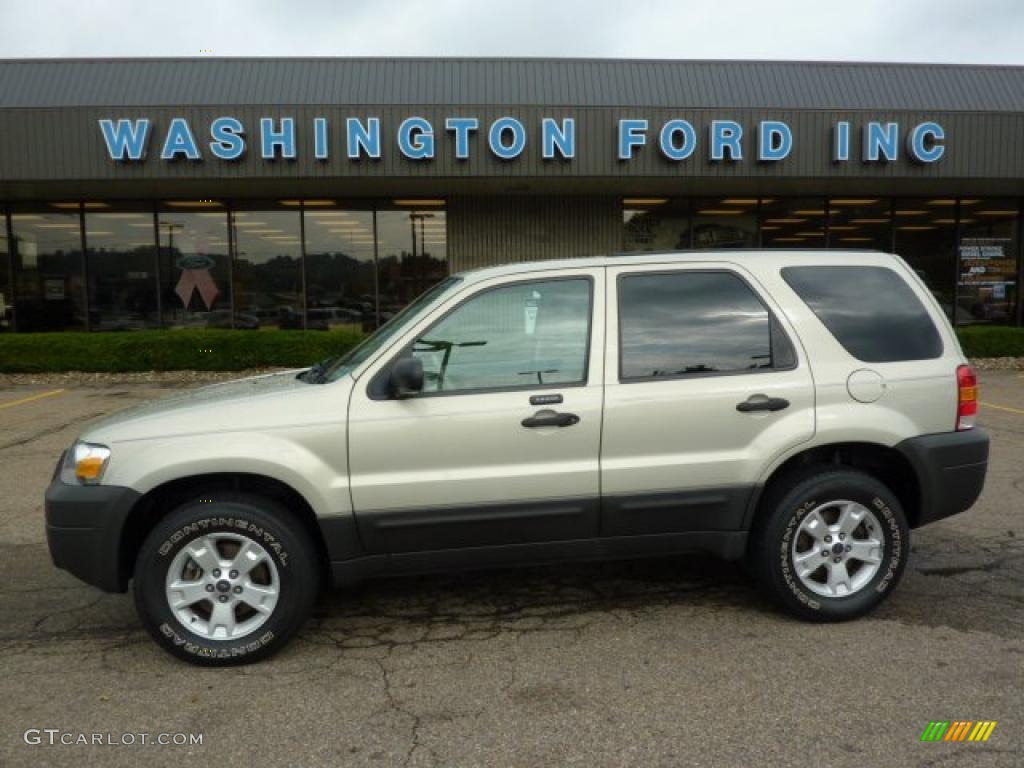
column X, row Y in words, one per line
column 551, row 419
column 762, row 403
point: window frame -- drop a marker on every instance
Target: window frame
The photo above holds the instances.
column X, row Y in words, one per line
column 377, row 388
column 773, row 325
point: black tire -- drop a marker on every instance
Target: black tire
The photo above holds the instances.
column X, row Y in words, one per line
column 771, row 551
column 228, row 515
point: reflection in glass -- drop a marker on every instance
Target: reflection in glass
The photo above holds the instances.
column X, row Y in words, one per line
column 725, row 223
column 195, row 269
column 410, row 314
column 521, row 335
column 987, row 292
column 6, row 297
column 677, row 324
column 267, row 269
column 121, row 253
column 49, row 289
column 660, row 225
column 413, row 255
column 340, row 280
column 792, row 222
column 871, row 311
column 863, row 222
column 925, row 235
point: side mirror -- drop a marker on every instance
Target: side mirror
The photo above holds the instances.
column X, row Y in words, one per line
column 406, row 377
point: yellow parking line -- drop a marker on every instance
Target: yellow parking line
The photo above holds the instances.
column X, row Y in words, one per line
column 1002, row 408
column 30, row 398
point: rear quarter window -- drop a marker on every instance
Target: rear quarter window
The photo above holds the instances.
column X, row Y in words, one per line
column 871, row 311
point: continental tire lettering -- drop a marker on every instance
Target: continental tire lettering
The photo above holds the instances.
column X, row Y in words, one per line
column 784, row 561
column 896, row 553
column 263, row 536
column 217, row 652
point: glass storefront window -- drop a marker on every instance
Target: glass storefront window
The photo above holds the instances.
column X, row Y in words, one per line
column 49, row 288
column 725, row 222
column 792, row 222
column 341, row 282
column 861, row 222
column 121, row 265
column 267, row 268
column 6, row 297
column 987, row 289
column 655, row 224
column 359, row 265
column 412, row 251
column 925, row 235
column 195, row 268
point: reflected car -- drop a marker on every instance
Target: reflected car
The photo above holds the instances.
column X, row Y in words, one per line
column 719, row 236
column 221, row 318
column 290, row 320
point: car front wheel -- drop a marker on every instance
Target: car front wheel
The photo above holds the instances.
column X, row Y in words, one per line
column 225, row 579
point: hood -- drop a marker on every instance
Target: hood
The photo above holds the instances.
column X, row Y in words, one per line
column 267, row 401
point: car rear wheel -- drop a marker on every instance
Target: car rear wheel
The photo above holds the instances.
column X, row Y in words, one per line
column 831, row 544
column 226, row 579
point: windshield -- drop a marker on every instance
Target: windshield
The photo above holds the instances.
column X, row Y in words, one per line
column 334, row 368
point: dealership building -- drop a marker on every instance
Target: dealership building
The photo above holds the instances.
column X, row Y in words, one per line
column 311, row 193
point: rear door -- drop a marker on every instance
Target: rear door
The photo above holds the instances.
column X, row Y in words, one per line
column 705, row 384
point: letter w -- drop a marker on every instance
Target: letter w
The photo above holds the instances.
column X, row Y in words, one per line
column 126, row 140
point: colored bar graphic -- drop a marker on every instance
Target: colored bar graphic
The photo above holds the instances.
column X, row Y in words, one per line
column 958, row 730
column 982, row 730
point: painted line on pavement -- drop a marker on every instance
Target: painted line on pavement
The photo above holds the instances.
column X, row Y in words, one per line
column 1002, row 408
column 40, row 396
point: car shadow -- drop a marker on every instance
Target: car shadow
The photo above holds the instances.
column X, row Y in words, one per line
column 484, row 603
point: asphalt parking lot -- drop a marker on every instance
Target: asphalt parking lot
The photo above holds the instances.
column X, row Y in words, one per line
column 654, row 663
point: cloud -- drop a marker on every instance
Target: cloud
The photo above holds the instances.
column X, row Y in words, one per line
column 983, row 31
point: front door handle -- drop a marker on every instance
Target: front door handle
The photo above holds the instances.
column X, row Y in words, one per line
column 551, row 419
column 762, row 403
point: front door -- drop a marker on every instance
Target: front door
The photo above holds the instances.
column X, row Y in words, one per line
column 704, row 387
column 501, row 446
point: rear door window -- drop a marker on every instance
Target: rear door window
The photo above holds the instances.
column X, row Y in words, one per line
column 695, row 323
column 871, row 311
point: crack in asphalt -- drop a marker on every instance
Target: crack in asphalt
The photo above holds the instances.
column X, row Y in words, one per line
column 65, row 611
column 52, row 430
column 955, row 754
column 959, row 570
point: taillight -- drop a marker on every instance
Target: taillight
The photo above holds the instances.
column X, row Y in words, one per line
column 967, row 399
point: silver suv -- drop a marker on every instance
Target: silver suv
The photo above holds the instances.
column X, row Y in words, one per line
column 800, row 411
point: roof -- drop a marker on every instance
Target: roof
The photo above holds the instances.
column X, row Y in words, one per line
column 48, row 83
column 756, row 257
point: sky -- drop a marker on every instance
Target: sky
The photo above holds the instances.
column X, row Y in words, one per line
column 957, row 31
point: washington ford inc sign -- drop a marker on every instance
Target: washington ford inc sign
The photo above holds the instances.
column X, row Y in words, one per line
column 506, row 138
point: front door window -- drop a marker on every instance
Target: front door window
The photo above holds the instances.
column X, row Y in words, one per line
column 523, row 335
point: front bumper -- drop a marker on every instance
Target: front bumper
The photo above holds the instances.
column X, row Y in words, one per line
column 950, row 470
column 84, row 526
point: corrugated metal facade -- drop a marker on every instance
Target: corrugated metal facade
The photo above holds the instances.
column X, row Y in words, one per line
column 491, row 230
column 541, row 82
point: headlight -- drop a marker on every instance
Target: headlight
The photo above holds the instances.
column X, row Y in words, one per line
column 84, row 463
